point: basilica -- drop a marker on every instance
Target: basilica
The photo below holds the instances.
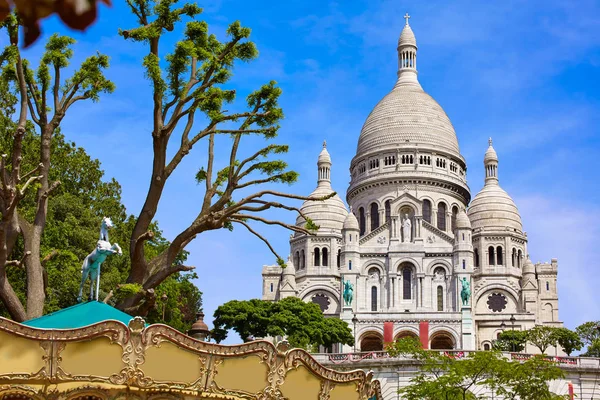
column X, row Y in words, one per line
column 414, row 254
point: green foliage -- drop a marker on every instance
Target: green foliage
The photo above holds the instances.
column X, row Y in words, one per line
column 442, row 377
column 567, row 339
column 542, row 337
column 512, row 340
column 590, row 336
column 303, row 324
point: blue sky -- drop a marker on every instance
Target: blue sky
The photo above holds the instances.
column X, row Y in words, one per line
column 523, row 72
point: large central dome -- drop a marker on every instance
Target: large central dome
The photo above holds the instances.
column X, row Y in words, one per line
column 407, row 114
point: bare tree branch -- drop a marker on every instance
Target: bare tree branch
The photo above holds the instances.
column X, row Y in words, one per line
column 18, row 263
column 258, row 235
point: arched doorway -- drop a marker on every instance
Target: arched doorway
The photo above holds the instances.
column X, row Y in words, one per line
column 371, row 342
column 442, row 341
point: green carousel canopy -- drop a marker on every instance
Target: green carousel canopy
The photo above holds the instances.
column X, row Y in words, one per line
column 78, row 316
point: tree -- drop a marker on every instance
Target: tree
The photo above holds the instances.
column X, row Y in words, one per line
column 590, row 336
column 542, row 337
column 511, row 341
column 303, row 324
column 187, row 87
column 44, row 97
column 71, row 231
column 567, row 339
column 445, row 378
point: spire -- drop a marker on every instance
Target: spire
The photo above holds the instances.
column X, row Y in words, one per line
column 490, row 162
column 324, row 167
column 407, row 54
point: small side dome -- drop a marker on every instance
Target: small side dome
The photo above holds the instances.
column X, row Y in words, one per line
column 528, row 267
column 351, row 223
column 328, row 214
column 462, row 220
column 493, row 208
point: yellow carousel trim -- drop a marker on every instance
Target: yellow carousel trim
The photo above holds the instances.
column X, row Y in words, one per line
column 110, row 360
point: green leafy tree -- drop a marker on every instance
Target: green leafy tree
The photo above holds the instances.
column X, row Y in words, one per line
column 192, row 84
column 567, row 339
column 590, row 336
column 303, row 324
column 542, row 337
column 511, row 341
column 44, row 97
column 446, row 378
column 71, row 231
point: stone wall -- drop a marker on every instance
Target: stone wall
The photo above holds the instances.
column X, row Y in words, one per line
column 396, row 372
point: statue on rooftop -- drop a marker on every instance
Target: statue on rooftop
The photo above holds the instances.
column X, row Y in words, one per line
column 91, row 264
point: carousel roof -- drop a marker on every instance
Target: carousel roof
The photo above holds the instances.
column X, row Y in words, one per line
column 78, row 316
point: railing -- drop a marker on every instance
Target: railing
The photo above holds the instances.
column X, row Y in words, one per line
column 349, row 358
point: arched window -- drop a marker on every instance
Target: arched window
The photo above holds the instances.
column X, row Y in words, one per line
column 476, row 254
column 499, row 257
column 441, row 216
column 547, row 285
column 514, row 257
column 374, row 298
column 406, row 283
column 453, row 220
column 486, row 347
column 317, row 257
column 271, row 287
column 325, row 253
column 339, row 258
column 491, row 257
column 350, row 265
column 427, row 210
column 440, row 298
column 297, row 260
column 388, row 212
column 519, row 258
column 361, row 221
column 374, row 216
column 302, row 260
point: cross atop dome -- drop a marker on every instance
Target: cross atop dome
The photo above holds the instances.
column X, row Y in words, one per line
column 490, row 141
column 324, row 144
column 406, row 17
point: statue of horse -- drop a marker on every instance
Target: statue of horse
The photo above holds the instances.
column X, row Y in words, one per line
column 465, row 292
column 348, row 291
column 91, row 264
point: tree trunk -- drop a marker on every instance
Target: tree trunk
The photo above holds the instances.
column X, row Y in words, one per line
column 35, row 271
column 139, row 265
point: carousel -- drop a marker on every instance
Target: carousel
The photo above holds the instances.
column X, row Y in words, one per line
column 92, row 351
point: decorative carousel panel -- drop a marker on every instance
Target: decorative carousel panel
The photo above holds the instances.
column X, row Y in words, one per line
column 168, row 363
column 300, row 384
column 97, row 357
column 228, row 374
column 20, row 356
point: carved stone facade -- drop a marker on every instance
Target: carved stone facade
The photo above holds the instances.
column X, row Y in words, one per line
column 409, row 238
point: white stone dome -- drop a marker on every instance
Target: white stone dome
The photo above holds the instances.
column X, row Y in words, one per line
column 492, row 207
column 462, row 220
column 327, row 214
column 408, row 115
column 351, row 223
